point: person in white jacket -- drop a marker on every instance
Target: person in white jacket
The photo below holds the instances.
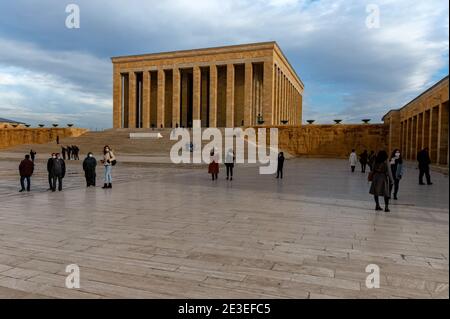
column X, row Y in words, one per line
column 353, row 159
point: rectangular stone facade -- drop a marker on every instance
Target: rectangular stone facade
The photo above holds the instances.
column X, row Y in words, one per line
column 240, row 85
column 421, row 123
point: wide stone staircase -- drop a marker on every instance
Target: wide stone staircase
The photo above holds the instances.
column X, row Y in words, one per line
column 141, row 150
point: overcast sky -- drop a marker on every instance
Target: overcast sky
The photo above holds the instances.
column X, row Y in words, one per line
column 49, row 73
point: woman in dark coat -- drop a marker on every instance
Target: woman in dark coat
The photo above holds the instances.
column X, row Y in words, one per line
column 396, row 169
column 213, row 167
column 89, row 165
column 381, row 180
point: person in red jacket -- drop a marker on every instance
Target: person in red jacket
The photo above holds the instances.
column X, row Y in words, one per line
column 26, row 169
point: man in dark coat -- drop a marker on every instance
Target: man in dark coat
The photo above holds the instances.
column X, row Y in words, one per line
column 424, row 160
column 69, row 152
column 77, row 153
column 58, row 171
column 363, row 158
column 63, row 151
column 280, row 165
column 26, row 169
column 89, row 165
column 32, row 155
column 49, row 171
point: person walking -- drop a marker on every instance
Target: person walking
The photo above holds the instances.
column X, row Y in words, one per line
column 363, row 158
column 423, row 157
column 32, row 155
column 229, row 163
column 63, row 152
column 280, row 165
column 108, row 161
column 381, row 181
column 89, row 165
column 58, row 171
column 213, row 167
column 26, row 169
column 396, row 163
column 371, row 160
column 353, row 159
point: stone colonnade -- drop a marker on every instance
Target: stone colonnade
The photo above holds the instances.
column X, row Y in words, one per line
column 422, row 123
column 220, row 95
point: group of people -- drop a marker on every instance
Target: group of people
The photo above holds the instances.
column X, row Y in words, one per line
column 386, row 172
column 71, row 152
column 56, row 169
column 230, row 159
column 365, row 159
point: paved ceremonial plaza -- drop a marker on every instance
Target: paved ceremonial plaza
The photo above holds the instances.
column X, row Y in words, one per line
column 167, row 232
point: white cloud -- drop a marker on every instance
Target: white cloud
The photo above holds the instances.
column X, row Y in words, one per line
column 349, row 71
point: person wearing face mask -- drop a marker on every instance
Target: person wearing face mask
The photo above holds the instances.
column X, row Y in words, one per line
column 49, row 170
column 89, row 165
column 58, row 171
column 396, row 163
column 108, row 162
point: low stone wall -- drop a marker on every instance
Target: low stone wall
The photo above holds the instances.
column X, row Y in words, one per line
column 332, row 140
column 16, row 136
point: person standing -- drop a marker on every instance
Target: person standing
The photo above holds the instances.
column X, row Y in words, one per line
column 353, row 159
column 108, row 161
column 26, row 169
column 280, row 165
column 69, row 152
column 49, row 171
column 363, row 158
column 213, row 167
column 423, row 157
column 229, row 163
column 396, row 163
column 32, row 155
column 57, row 139
column 381, row 181
column 76, row 152
column 63, row 152
column 58, row 171
column 89, row 165
column 371, row 160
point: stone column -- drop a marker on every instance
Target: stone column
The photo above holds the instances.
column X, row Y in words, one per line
column 443, row 134
column 204, row 99
column 248, row 96
column 439, row 131
column 117, row 98
column 213, row 96
column 407, row 148
column 277, row 96
column 430, row 131
column 161, row 97
column 422, row 129
column 146, row 82
column 132, row 100
column 184, row 99
column 176, row 92
column 291, row 120
column 196, row 93
column 268, row 92
column 230, row 96
column 283, row 113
